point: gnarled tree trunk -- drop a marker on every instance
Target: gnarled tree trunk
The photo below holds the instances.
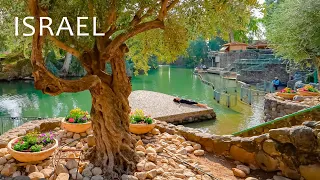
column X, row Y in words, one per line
column 110, row 117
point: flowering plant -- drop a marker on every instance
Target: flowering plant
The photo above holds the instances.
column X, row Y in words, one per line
column 138, row 117
column 34, row 142
column 78, row 116
column 309, row 88
column 287, row 90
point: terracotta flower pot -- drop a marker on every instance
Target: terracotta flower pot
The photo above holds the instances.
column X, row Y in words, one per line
column 30, row 156
column 141, row 128
column 307, row 93
column 287, row 95
column 76, row 127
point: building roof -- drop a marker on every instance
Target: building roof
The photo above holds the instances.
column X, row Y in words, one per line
column 235, row 44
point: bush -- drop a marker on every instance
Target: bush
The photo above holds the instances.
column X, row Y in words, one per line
column 33, row 142
column 78, row 116
column 138, row 117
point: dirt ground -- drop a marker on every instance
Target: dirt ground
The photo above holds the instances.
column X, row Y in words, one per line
column 221, row 167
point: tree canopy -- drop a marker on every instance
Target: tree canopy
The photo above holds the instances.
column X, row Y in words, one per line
column 293, row 28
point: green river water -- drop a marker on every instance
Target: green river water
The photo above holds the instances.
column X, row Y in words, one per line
column 20, row 99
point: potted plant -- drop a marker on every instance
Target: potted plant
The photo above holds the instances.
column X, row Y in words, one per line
column 308, row 90
column 287, row 93
column 77, row 121
column 140, row 123
column 32, row 147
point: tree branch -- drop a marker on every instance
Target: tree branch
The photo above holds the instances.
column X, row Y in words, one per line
column 136, row 30
column 65, row 47
column 163, row 10
column 172, row 5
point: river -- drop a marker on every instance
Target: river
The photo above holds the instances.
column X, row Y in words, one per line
column 20, row 99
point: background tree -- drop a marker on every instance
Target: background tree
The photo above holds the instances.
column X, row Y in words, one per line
column 149, row 27
column 293, row 28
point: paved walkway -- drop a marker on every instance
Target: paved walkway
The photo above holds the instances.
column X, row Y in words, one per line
column 161, row 107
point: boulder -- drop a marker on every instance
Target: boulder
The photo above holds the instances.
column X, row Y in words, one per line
column 242, row 155
column 281, row 135
column 198, row 152
column 71, row 164
column 128, row 177
column 61, row 169
column 91, row 141
column 149, row 166
column 8, row 169
column 141, row 175
column 63, row 176
column 303, row 138
column 244, row 168
column 97, row 177
column 36, row 176
column 238, row 173
column 270, row 147
column 152, row 173
column 96, row 171
column 310, row 172
column 47, row 172
column 266, row 162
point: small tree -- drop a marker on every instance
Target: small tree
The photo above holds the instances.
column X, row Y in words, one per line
column 149, row 27
column 293, row 28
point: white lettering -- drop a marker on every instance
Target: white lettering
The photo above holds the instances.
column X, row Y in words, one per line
column 16, row 26
column 42, row 26
column 29, row 26
column 95, row 28
column 65, row 19
column 79, row 26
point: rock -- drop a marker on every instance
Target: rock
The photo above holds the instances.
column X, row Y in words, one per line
column 280, row 178
column 281, row 135
column 63, row 176
column 179, row 175
column 198, row 152
column 183, row 151
column 303, row 138
column 21, row 178
column 238, row 173
column 155, row 131
column 310, row 172
column 128, row 177
column 83, row 134
column 159, row 149
column 160, row 171
column 141, row 175
column 251, row 178
column 189, row 174
column 87, row 172
column 270, row 147
column 33, row 168
column 39, row 167
column 140, row 165
column 8, row 170
column 79, row 145
column 139, row 143
column 71, row 164
column 8, row 156
column 3, row 160
column 149, row 166
column 91, row 141
column 266, row 162
column 69, row 134
column 36, row 176
column 47, row 172
column 152, row 157
column 61, row 169
column 3, row 151
column 150, row 150
column 140, row 153
column 242, row 155
column 97, row 177
column 76, row 136
column 76, row 176
column 96, row 171
column 152, row 174
column 85, row 147
column 189, row 149
column 197, row 146
column 15, row 174
column 244, row 168
column 140, row 148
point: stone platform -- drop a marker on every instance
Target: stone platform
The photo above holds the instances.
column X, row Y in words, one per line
column 161, row 107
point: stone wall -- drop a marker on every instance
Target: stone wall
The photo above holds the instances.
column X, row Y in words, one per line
column 292, row 151
column 268, row 74
column 275, row 107
column 37, row 125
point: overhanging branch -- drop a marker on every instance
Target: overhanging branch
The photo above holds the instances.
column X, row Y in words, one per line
column 65, row 47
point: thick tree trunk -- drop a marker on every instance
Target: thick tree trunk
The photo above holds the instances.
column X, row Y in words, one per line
column 65, row 68
column 318, row 68
column 110, row 117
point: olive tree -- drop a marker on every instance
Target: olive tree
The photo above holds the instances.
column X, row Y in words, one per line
column 293, row 28
column 135, row 28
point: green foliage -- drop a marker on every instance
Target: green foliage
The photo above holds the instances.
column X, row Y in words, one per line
column 294, row 29
column 78, row 116
column 33, row 142
column 188, row 20
column 36, row 148
column 138, row 117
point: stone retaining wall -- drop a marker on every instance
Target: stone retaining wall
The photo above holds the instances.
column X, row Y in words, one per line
column 293, row 151
column 37, row 125
column 274, row 108
column 313, row 115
